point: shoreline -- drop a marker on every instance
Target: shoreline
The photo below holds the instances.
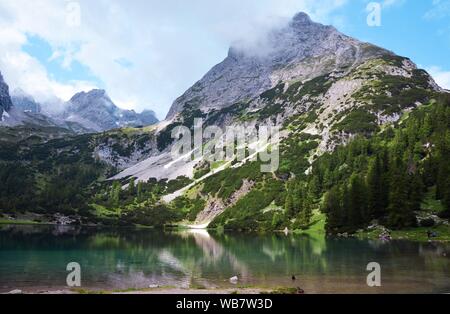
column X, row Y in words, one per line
column 207, row 291
column 155, row 290
column 305, row 284
column 415, row 234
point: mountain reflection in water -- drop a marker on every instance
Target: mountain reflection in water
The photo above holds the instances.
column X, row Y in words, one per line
column 36, row 257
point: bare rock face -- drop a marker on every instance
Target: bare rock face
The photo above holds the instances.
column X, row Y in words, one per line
column 5, row 99
column 25, row 102
column 301, row 50
column 307, row 78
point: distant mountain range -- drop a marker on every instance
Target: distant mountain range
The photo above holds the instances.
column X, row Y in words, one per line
column 96, row 111
column 85, row 112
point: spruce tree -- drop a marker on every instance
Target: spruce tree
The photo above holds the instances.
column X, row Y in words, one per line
column 333, row 210
column 289, row 204
column 415, row 193
column 132, row 187
column 297, row 199
column 375, row 187
column 358, row 202
column 115, row 193
column 314, row 187
column 400, row 213
column 140, row 192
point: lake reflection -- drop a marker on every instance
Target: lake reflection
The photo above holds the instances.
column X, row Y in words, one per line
column 35, row 257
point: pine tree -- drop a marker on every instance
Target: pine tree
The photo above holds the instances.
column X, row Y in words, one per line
column 314, row 187
column 426, row 128
column 275, row 221
column 297, row 199
column 375, row 187
column 443, row 185
column 358, row 202
column 443, row 173
column 304, row 217
column 140, row 191
column 132, row 187
column 415, row 192
column 289, row 204
column 400, row 213
column 446, row 198
column 332, row 208
column 115, row 193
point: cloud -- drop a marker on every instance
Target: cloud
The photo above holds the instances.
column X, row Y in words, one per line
column 441, row 76
column 146, row 53
column 388, row 4
column 22, row 71
column 439, row 10
column 392, row 3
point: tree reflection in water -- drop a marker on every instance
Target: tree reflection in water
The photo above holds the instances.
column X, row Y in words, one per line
column 136, row 258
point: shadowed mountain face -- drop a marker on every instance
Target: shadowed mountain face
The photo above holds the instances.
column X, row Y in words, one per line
column 25, row 102
column 5, row 99
column 301, row 50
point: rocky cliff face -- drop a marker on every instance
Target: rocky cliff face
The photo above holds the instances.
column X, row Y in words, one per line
column 307, row 69
column 96, row 111
column 5, row 99
column 313, row 82
column 25, row 102
column 147, row 117
column 300, row 51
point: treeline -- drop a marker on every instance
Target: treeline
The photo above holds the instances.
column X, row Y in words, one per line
column 64, row 190
column 49, row 177
column 139, row 202
column 251, row 212
column 385, row 177
column 63, row 176
column 299, row 204
column 17, row 190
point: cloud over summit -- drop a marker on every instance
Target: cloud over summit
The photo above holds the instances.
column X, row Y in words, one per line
column 145, row 53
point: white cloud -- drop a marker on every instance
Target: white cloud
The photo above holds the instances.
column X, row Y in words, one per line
column 440, row 9
column 441, row 76
column 22, row 71
column 391, row 3
column 169, row 44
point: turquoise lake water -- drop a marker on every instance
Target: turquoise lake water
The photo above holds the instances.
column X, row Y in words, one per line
column 34, row 258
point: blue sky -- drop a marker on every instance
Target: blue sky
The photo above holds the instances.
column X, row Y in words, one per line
column 40, row 49
column 146, row 53
column 409, row 28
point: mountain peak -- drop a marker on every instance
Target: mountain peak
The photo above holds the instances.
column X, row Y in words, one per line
column 295, row 52
column 23, row 101
column 85, row 98
column 301, row 22
column 20, row 93
column 96, row 111
column 97, row 92
column 301, row 17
